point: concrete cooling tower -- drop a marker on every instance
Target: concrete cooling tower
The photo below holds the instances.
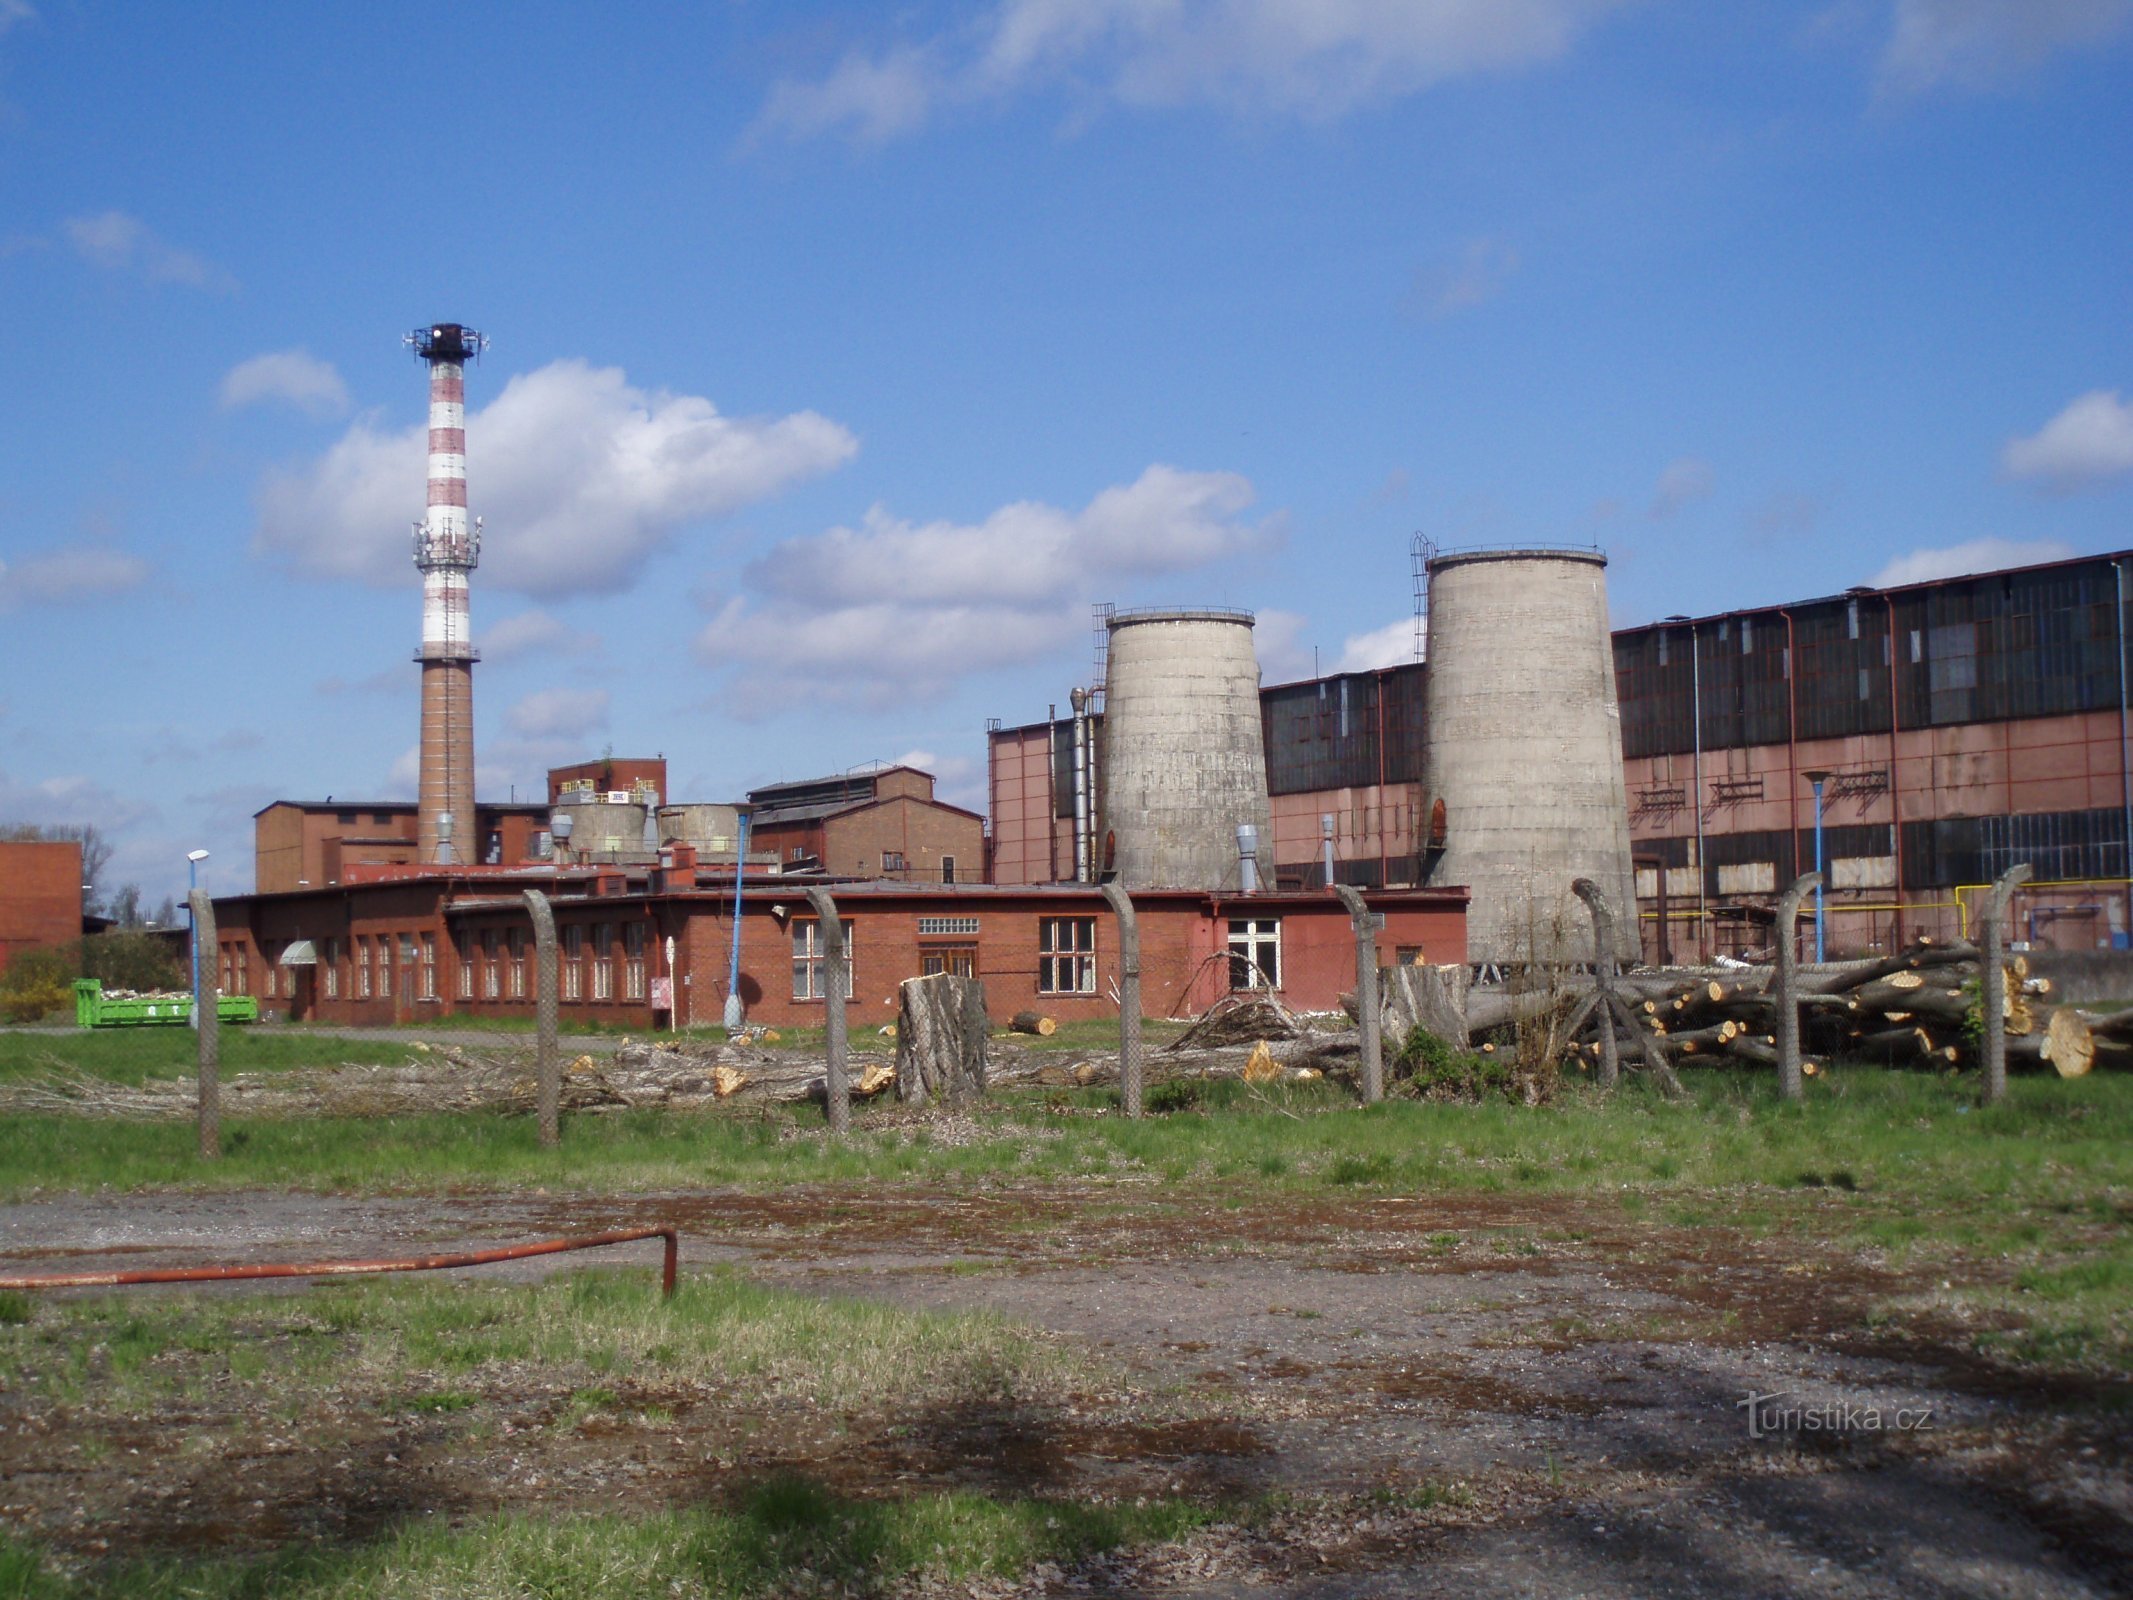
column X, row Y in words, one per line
column 1525, row 748
column 1184, row 760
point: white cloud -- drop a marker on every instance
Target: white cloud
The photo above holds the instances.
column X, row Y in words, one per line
column 118, row 242
column 580, row 476
column 535, row 633
column 69, row 574
column 1977, row 43
column 1390, row 646
column 1026, row 553
column 959, row 780
column 15, row 11
column 1314, row 59
column 875, row 100
column 1682, row 483
column 406, row 772
column 2091, row 440
column 559, row 713
column 893, row 610
column 1475, row 277
column 1978, row 555
column 293, row 377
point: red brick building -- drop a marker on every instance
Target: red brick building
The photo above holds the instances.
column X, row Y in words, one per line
column 653, row 949
column 883, row 824
column 298, row 844
column 40, row 895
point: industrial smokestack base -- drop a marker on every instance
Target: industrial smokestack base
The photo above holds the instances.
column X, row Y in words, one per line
column 1184, row 757
column 1525, row 749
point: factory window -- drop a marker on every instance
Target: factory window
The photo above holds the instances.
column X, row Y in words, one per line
column 573, row 963
column 463, row 955
column 382, row 948
column 1066, row 955
column 798, row 853
column 383, row 819
column 429, row 966
column 273, row 982
column 960, row 959
column 810, row 978
column 603, row 965
column 492, row 970
column 947, row 925
column 892, row 861
column 362, row 966
column 516, row 967
column 633, row 961
column 347, row 818
column 329, row 969
column 947, row 869
column 1255, row 952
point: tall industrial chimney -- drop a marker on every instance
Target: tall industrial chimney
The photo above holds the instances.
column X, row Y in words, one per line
column 447, row 547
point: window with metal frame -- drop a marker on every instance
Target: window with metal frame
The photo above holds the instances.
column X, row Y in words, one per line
column 810, row 976
column 1066, row 955
column 1255, row 952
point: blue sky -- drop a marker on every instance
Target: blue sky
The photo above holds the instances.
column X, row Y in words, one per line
column 845, row 355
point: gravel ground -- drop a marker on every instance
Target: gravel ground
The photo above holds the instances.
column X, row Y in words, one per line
column 1421, row 1396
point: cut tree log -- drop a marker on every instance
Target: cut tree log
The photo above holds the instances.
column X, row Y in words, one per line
column 941, row 1037
column 1033, row 1022
column 2067, row 1042
column 1433, row 998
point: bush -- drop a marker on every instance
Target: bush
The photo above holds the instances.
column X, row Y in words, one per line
column 129, row 960
column 1429, row 1068
column 36, row 983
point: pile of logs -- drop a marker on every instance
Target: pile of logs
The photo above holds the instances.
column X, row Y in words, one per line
column 1917, row 1006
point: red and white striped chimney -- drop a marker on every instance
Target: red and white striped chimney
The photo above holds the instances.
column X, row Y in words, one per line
column 447, row 548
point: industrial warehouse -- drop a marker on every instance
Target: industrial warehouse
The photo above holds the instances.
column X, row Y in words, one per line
column 1911, row 742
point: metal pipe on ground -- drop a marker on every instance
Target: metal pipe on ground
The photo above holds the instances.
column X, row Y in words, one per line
column 351, row 1269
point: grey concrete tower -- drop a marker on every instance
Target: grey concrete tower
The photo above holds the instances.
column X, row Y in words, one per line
column 1525, row 748
column 1184, row 759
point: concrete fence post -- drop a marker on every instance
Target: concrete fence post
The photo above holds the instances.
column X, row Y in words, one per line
column 548, row 1072
column 1603, row 976
column 207, row 1016
column 1992, row 989
column 1786, row 982
column 837, row 988
column 1367, row 1012
column 1129, row 997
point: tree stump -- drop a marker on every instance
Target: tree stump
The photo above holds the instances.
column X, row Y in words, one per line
column 941, row 1035
column 1431, row 998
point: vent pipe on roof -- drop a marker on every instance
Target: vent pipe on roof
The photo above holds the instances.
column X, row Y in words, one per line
column 1247, row 858
column 1080, row 701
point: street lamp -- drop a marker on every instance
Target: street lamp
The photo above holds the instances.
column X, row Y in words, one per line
column 1818, row 777
column 193, row 859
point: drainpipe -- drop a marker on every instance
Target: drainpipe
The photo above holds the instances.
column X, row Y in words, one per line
column 1703, row 919
column 1051, row 790
column 1383, row 866
column 1079, row 699
column 2125, row 770
column 1792, row 740
column 1895, row 769
column 733, row 966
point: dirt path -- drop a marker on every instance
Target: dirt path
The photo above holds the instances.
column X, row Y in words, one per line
column 1486, row 1398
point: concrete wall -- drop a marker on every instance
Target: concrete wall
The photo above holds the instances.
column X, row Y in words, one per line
column 1183, row 762
column 1525, row 747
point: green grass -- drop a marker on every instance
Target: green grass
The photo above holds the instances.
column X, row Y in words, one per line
column 1902, row 1164
column 719, row 1331
column 786, row 1535
column 128, row 1055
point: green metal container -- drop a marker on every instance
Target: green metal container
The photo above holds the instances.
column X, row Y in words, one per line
column 93, row 1009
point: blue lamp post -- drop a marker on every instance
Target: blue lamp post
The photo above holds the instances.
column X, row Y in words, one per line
column 1821, row 882
column 192, row 882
